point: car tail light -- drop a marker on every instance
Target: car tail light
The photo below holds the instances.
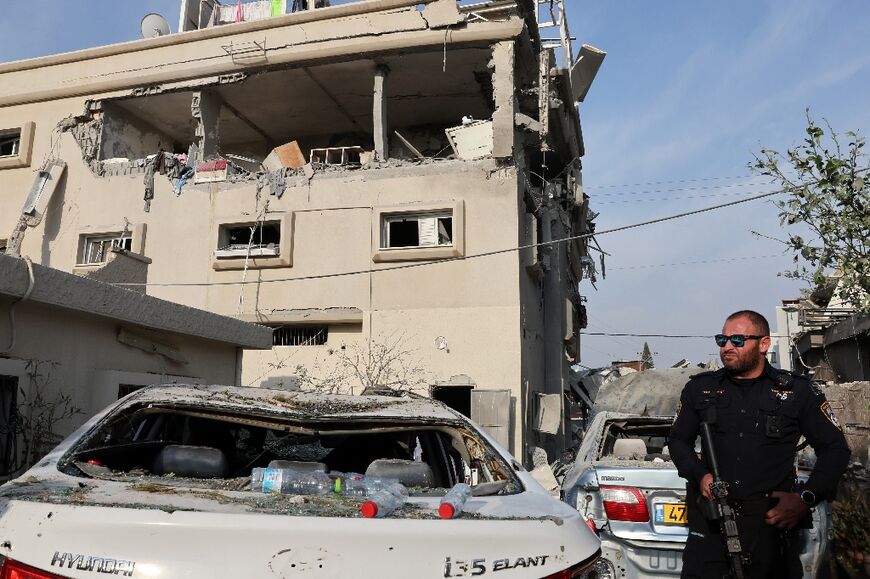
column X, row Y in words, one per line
column 10, row 569
column 624, row 504
column 577, row 570
column 590, row 522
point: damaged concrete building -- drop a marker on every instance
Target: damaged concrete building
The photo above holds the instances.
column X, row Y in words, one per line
column 380, row 181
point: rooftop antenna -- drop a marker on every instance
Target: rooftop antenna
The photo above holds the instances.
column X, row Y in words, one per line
column 154, row 25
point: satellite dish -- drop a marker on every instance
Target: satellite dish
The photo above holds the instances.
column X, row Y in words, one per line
column 154, row 25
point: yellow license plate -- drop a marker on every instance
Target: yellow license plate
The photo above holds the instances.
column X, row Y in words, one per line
column 671, row 513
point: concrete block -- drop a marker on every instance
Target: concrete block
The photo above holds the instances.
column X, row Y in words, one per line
column 549, row 417
column 442, row 13
column 337, row 155
column 584, row 70
column 472, row 140
column 211, row 172
column 287, row 155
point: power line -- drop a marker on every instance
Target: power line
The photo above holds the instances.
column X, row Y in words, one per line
column 673, row 198
column 462, row 257
column 697, row 262
column 614, row 185
column 677, row 189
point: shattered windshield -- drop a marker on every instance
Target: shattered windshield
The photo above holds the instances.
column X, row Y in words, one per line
column 639, row 439
column 210, row 448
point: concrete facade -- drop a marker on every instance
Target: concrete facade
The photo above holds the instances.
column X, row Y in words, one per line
column 381, row 82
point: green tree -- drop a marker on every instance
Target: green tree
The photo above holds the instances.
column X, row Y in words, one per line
column 827, row 193
column 646, row 357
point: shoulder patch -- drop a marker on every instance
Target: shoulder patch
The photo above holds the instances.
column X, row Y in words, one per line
column 829, row 414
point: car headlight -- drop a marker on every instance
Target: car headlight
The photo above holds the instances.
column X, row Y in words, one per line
column 602, row 569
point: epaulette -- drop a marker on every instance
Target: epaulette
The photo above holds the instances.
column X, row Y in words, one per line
column 708, row 373
column 784, row 379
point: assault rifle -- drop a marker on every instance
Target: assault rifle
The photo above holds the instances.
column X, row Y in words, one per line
column 719, row 509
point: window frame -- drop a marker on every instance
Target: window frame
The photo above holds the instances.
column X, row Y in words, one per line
column 22, row 157
column 90, row 241
column 234, row 260
column 382, row 216
column 391, row 218
column 136, row 234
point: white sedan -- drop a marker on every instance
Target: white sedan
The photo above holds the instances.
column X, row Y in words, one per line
column 159, row 485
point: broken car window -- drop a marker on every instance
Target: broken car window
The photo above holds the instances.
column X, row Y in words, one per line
column 176, row 442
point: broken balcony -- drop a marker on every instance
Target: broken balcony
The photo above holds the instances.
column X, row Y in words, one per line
column 340, row 114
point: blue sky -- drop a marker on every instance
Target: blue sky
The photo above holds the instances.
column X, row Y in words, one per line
column 688, row 91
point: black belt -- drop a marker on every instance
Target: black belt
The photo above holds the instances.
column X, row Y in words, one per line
column 753, row 505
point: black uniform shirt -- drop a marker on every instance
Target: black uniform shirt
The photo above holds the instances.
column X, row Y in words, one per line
column 758, row 424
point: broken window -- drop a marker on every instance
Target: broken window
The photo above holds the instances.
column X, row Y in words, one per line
column 141, row 441
column 3, row 245
column 636, row 438
column 10, row 143
column 300, row 335
column 249, row 239
column 96, row 248
column 417, row 230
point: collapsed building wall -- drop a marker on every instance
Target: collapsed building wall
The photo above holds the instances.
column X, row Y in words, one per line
column 280, row 168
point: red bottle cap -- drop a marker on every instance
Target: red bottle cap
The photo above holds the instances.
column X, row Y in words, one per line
column 446, row 511
column 369, row 510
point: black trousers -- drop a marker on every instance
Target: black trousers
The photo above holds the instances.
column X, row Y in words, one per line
column 775, row 554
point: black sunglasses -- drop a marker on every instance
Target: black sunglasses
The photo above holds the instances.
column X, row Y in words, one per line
column 737, row 339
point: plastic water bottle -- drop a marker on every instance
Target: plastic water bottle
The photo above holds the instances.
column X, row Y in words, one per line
column 361, row 486
column 453, row 502
column 346, row 483
column 384, row 501
column 308, row 483
column 257, row 479
column 288, row 481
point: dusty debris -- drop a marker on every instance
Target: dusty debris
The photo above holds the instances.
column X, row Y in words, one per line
column 472, row 140
column 287, row 155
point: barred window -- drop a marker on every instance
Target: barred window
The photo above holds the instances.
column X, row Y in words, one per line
column 300, row 335
column 97, row 248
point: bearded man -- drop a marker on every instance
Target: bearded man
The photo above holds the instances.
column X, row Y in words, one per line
column 757, row 415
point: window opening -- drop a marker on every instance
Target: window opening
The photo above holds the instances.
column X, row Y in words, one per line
column 426, row 230
column 97, row 247
column 3, row 245
column 10, row 144
column 125, row 389
column 263, row 239
column 300, row 335
column 456, row 397
column 8, row 419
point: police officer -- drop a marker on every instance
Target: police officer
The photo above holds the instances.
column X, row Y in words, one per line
column 760, row 414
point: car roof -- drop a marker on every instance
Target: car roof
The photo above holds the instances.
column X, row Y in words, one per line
column 295, row 403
